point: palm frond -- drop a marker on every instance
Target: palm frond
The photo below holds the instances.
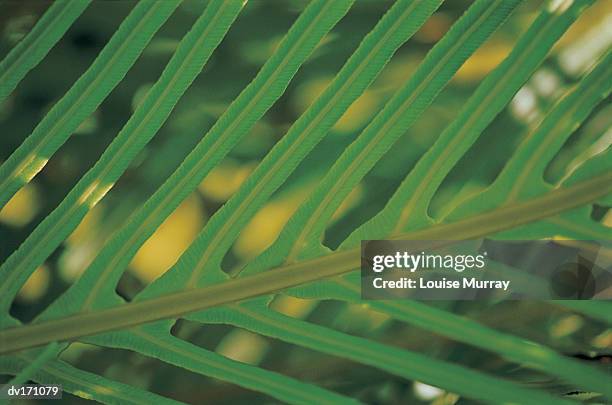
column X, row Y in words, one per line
column 519, row 203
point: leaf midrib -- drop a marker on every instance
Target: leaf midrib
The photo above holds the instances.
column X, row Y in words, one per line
column 177, row 304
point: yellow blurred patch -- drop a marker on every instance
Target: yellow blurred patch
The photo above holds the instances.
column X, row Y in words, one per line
column 399, row 70
column 82, row 245
column 224, row 180
column 82, row 394
column 367, row 318
column 170, row 240
column 566, row 326
column 86, row 230
column 603, row 340
column 308, row 92
column 434, row 28
column 607, row 220
column 267, row 224
column 22, row 208
column 294, row 307
column 36, row 286
column 484, row 60
column 359, row 113
column 243, row 346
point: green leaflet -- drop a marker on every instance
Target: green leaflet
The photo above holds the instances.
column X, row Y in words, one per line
column 534, row 155
column 82, row 383
column 396, row 27
column 449, row 376
column 407, row 209
column 517, row 349
column 85, row 95
column 431, row 76
column 306, row 226
column 28, row 371
column 37, row 43
column 523, row 175
column 186, row 63
column 99, row 279
column 155, row 341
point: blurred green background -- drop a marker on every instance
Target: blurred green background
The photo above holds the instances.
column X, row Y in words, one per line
column 250, row 41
